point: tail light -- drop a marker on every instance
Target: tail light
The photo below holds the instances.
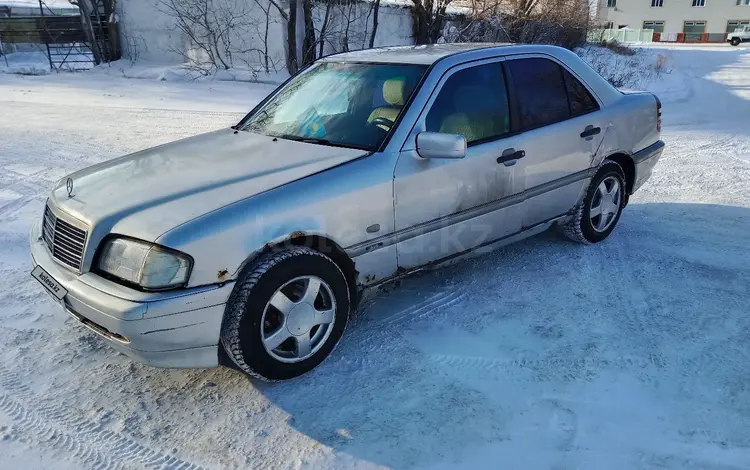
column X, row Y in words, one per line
column 658, row 113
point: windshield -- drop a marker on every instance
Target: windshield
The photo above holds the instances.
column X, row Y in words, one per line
column 341, row 104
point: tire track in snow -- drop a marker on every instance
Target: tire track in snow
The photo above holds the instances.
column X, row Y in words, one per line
column 28, row 188
column 41, row 431
column 636, row 310
column 484, row 365
column 17, row 204
column 87, row 440
column 420, row 310
column 427, row 307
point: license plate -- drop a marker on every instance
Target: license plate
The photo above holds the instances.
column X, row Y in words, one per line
column 49, row 283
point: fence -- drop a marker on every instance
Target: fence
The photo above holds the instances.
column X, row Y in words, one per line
column 648, row 35
column 621, row 35
column 64, row 37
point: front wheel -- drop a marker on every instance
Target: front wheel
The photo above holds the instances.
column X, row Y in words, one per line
column 735, row 41
column 595, row 218
column 286, row 314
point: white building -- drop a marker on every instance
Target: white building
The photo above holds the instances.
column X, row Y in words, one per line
column 677, row 20
column 14, row 8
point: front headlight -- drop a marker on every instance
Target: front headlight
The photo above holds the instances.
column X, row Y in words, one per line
column 149, row 266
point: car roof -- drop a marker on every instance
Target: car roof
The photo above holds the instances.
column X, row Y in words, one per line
column 423, row 54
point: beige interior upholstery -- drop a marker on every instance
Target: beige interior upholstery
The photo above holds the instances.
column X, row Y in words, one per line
column 473, row 125
column 393, row 94
column 393, row 91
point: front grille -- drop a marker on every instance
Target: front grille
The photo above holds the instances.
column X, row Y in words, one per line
column 65, row 241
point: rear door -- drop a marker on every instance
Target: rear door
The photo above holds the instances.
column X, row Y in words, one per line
column 561, row 126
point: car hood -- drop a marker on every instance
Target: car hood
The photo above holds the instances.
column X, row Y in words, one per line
column 147, row 193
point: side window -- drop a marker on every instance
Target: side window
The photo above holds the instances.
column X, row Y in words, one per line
column 473, row 102
column 581, row 101
column 540, row 88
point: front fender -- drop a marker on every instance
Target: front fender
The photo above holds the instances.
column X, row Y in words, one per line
column 339, row 204
column 220, row 256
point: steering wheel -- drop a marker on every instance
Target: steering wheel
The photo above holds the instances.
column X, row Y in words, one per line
column 381, row 121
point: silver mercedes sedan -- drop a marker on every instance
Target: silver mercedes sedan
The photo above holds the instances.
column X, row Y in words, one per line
column 251, row 246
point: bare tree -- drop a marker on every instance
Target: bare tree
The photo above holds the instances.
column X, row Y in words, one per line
column 308, row 43
column 261, row 30
column 216, row 30
column 560, row 22
column 113, row 32
column 428, row 19
column 291, row 37
column 374, row 32
column 343, row 26
column 132, row 46
column 348, row 26
column 88, row 8
column 290, row 18
column 324, row 28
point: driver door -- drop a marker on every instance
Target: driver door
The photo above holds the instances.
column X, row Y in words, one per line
column 444, row 207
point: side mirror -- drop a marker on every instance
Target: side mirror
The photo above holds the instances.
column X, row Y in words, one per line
column 438, row 145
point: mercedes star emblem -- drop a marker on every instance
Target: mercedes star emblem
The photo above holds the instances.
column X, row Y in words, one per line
column 69, row 185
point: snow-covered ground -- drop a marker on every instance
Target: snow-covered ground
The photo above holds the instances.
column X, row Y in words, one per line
column 631, row 354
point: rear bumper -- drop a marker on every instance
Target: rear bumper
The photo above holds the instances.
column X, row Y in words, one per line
column 645, row 160
column 169, row 329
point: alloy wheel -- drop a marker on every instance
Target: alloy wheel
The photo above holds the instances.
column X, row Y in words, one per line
column 605, row 204
column 298, row 319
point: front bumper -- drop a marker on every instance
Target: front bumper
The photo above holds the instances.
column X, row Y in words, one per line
column 645, row 160
column 163, row 329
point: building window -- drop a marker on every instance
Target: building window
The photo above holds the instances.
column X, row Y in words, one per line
column 611, row 3
column 609, row 25
column 694, row 30
column 657, row 26
column 743, row 2
column 657, row 3
column 699, row 3
column 733, row 26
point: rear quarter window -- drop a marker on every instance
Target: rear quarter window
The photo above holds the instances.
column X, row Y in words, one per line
column 581, row 101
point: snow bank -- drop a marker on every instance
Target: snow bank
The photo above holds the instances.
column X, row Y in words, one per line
column 622, row 71
column 36, row 63
column 25, row 63
column 181, row 73
column 648, row 68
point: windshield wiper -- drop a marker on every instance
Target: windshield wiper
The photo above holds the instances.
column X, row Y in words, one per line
column 315, row 140
column 319, row 141
column 310, row 140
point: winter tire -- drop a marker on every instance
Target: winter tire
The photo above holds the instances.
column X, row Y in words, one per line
column 598, row 213
column 286, row 314
column 735, row 41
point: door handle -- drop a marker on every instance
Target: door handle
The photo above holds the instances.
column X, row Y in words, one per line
column 590, row 132
column 510, row 156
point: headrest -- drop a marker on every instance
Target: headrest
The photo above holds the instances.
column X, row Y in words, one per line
column 393, row 91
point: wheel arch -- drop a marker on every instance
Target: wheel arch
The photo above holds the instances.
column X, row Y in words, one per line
column 628, row 167
column 317, row 242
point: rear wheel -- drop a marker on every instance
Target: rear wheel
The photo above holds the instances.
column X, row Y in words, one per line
column 598, row 214
column 735, row 41
column 286, row 314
